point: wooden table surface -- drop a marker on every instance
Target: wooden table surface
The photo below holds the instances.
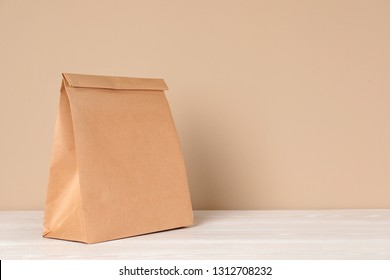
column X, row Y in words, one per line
column 323, row 234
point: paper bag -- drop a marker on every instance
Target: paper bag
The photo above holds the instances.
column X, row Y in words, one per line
column 117, row 169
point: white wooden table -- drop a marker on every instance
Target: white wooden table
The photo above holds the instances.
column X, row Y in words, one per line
column 326, row 234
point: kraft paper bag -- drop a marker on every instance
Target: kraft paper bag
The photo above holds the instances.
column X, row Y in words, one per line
column 117, row 169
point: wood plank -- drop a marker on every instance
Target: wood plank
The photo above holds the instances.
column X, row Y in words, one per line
column 315, row 234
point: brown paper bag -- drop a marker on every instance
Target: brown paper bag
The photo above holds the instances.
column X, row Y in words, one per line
column 116, row 169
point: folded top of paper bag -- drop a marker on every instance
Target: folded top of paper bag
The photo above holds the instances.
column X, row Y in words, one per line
column 118, row 83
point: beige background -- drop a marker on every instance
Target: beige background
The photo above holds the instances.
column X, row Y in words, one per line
column 279, row 104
